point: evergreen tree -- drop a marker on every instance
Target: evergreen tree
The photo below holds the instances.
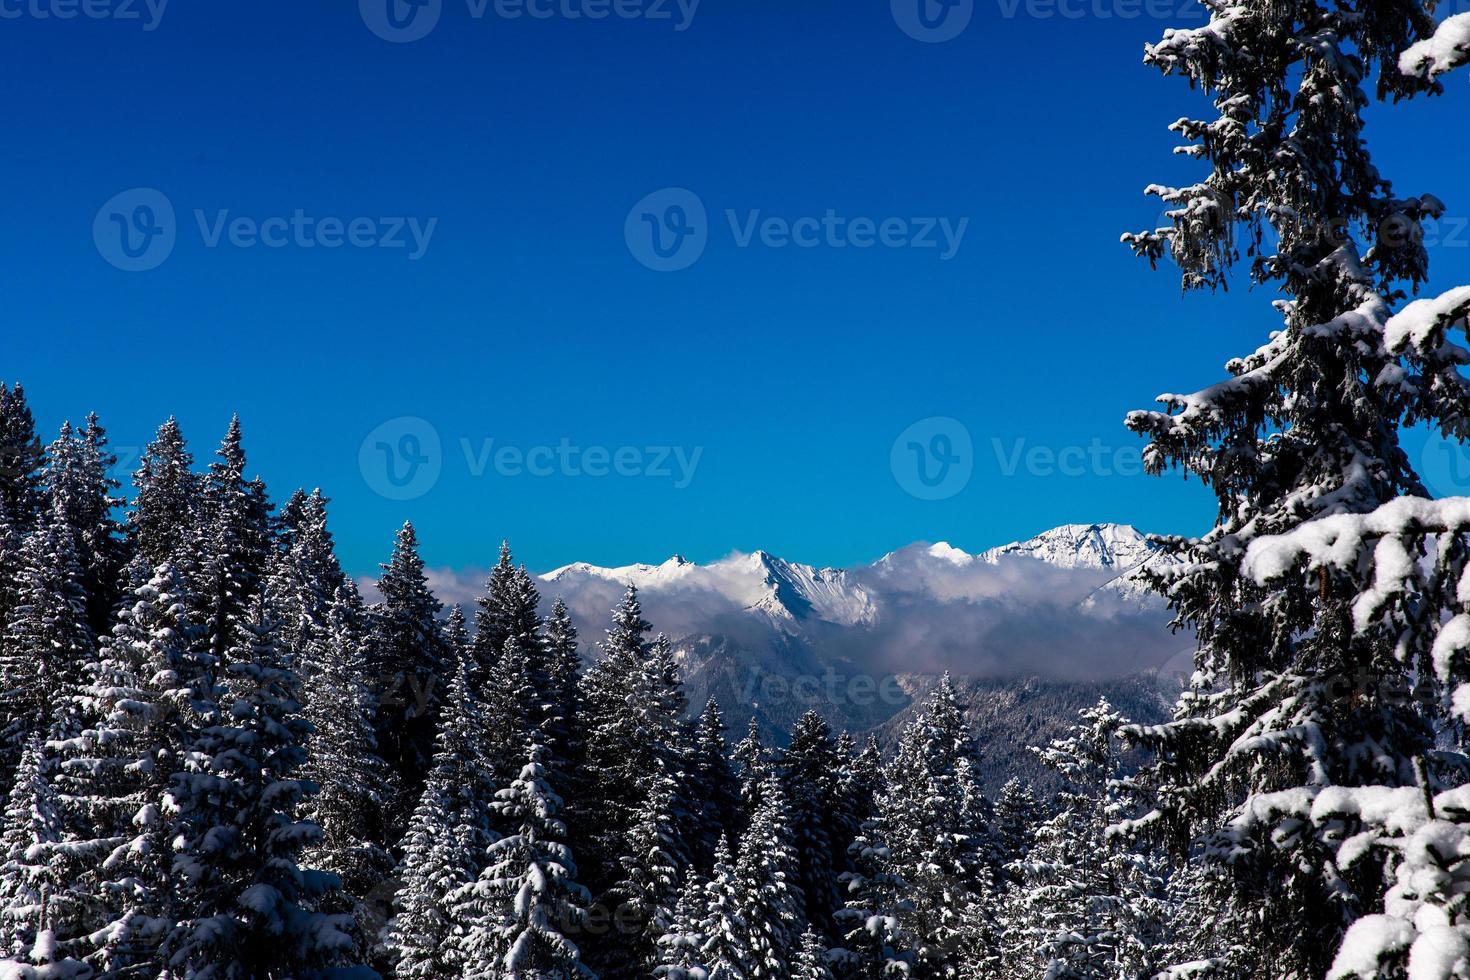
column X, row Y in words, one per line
column 716, row 792
column 753, row 763
column 1017, row 815
column 249, row 903
column 39, row 903
column 510, row 714
column 725, row 950
column 767, row 872
column 681, row 948
column 1301, row 447
column 47, row 642
column 437, row 859
column 305, row 578
column 82, row 494
column 145, row 701
column 811, row 772
column 564, row 717
column 410, row 665
column 235, row 547
column 1084, row 907
column 507, row 611
column 342, row 759
column 914, row 902
column 162, row 521
column 643, row 898
column 22, row 498
column 516, row 915
column 810, row 962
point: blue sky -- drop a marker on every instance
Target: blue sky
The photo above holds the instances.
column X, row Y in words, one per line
column 521, row 147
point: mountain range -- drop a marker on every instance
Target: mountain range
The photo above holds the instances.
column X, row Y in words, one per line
column 1031, row 631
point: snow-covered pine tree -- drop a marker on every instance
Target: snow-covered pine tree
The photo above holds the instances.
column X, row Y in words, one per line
column 753, row 762
column 305, row 577
column 235, row 548
column 810, row 962
column 562, row 728
column 915, row 901
column 642, row 900
column 726, row 950
column 772, row 905
column 681, row 947
column 21, row 460
column 510, row 714
column 1084, row 907
column 47, row 642
column 83, row 500
column 40, row 905
column 162, row 521
column 1017, row 815
column 342, row 759
column 249, row 904
column 811, row 773
column 620, row 754
column 507, row 610
column 517, row 916
column 144, row 702
column 410, row 668
column 716, row 791
column 1280, row 740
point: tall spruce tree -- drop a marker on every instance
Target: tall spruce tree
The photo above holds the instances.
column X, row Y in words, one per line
column 47, row 642
column 22, row 497
column 251, row 907
column 716, row 791
column 517, row 915
column 768, row 872
column 145, row 701
column 166, row 504
column 1085, row 907
column 83, row 500
column 811, row 774
column 1268, row 761
column 410, row 667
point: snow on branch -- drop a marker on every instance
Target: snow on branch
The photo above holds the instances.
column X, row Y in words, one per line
column 1446, row 50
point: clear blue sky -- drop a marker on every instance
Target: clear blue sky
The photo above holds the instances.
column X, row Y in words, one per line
column 529, row 320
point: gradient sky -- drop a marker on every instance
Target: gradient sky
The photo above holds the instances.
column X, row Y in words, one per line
column 528, row 320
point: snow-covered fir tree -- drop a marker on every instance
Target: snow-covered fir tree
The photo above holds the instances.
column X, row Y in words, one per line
column 810, row 961
column 811, row 779
column 251, row 907
column 519, row 916
column 767, row 874
column 716, row 791
column 1319, row 572
column 1084, row 907
column 410, row 668
column 82, row 495
column 166, row 501
column 21, row 461
column 143, row 703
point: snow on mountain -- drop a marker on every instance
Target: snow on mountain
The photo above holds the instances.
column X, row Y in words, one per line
column 1063, row 614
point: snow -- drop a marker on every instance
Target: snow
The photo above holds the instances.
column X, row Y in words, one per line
column 1447, row 49
column 1413, row 325
column 1367, row 942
